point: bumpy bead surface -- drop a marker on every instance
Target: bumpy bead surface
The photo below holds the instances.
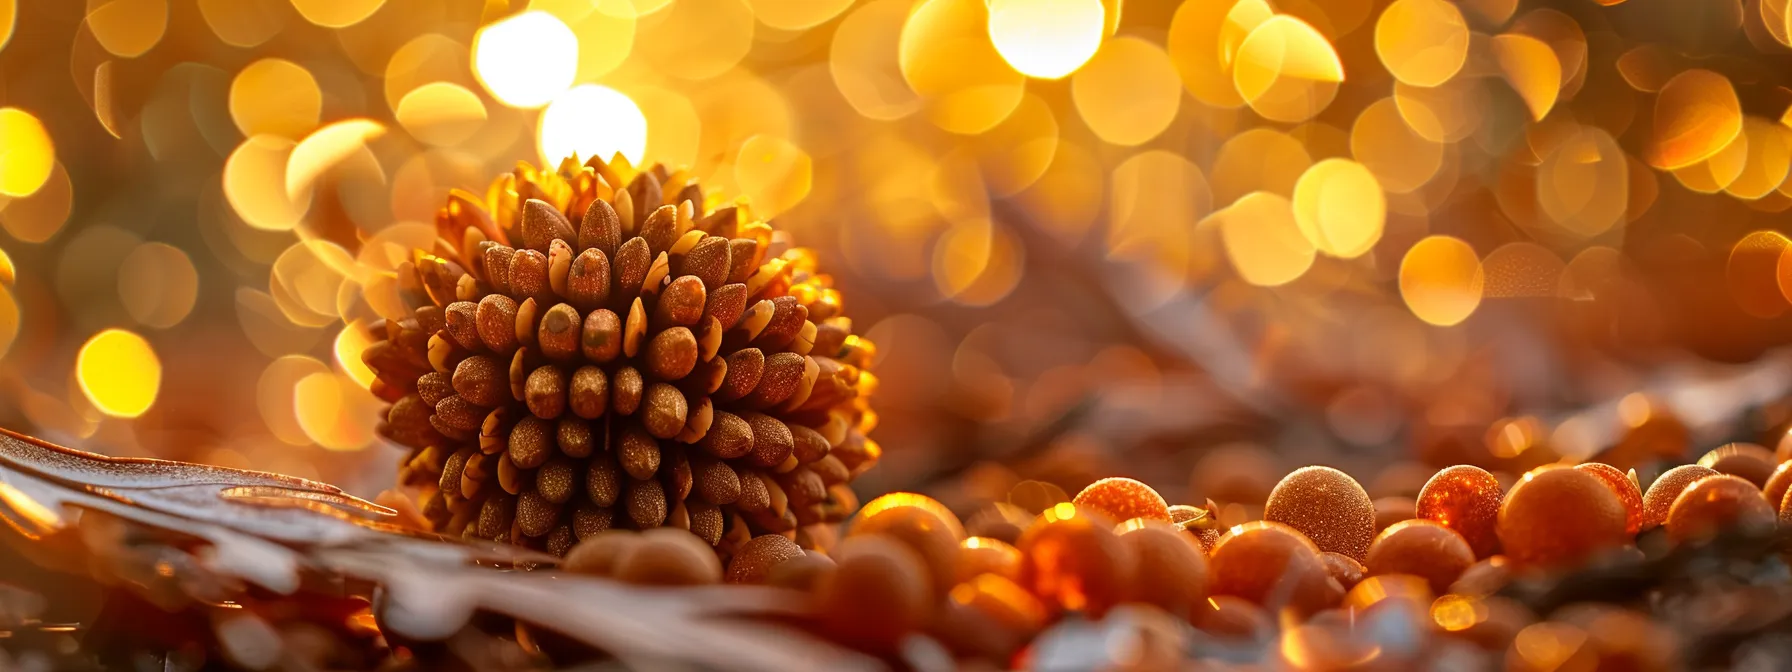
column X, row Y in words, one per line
column 1326, row 505
column 1466, row 499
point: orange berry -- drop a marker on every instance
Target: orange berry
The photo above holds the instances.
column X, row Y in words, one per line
column 1326, row 505
column 877, row 594
column 1170, row 568
column 1343, row 568
column 1390, row 510
column 1231, row 617
column 1777, row 484
column 597, row 554
column 1715, row 504
column 1073, row 560
column 1273, row 565
column 1466, row 499
column 1423, row 548
column 983, row 555
column 1660, row 497
column 804, row 572
column 1753, row 463
column 1628, row 494
column 923, row 530
column 1123, row 499
column 668, row 556
column 1560, row 518
column 1485, row 577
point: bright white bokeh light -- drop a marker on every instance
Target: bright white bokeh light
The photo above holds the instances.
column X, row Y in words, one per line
column 592, row 120
column 526, row 60
column 1047, row 39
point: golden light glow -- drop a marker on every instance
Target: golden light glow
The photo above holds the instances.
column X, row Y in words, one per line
column 255, row 184
column 158, row 285
column 946, row 57
column 797, row 14
column 127, row 28
column 774, row 173
column 119, row 373
column 863, row 61
column 275, row 400
column 1401, row 160
column 698, row 39
column 1286, row 71
column 1769, row 156
column 1340, row 208
column 1194, row 46
column 335, row 412
column 1697, row 114
column 1048, row 39
column 241, row 23
column 1753, row 273
column 9, row 17
column 9, row 320
column 592, row 120
column 1422, row 42
column 1441, row 280
column 277, row 97
column 1532, row 69
column 1260, row 159
column 1583, row 183
column 323, row 150
column 1263, row 241
column 442, row 114
column 336, row 13
column 350, row 342
column 26, row 154
column 526, row 60
column 37, row 218
column 1128, row 93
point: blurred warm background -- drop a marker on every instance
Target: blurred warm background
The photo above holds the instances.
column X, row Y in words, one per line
column 1090, row 237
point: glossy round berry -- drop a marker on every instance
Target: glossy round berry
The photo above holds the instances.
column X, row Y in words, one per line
column 983, row 555
column 1625, row 489
column 1074, row 561
column 1343, row 568
column 1273, row 565
column 877, row 594
column 921, row 527
column 1559, row 518
column 1661, row 494
column 1716, row 504
column 1466, row 499
column 1123, row 499
column 1170, row 569
column 1777, row 484
column 1749, row 461
column 1326, row 505
column 1423, row 548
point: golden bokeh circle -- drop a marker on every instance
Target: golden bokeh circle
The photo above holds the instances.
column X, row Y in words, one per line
column 1422, row 42
column 1441, row 280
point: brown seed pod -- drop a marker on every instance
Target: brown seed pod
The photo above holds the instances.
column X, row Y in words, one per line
column 1626, row 490
column 754, row 560
column 1558, row 518
column 1326, row 505
column 537, row 336
column 1466, row 499
column 1272, row 565
column 1074, row 561
column 1123, row 499
column 1661, row 494
column 1423, row 548
column 1749, row 461
column 1716, row 504
column 1170, row 569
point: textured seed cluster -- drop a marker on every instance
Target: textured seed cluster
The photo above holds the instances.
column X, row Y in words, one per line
column 600, row 347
